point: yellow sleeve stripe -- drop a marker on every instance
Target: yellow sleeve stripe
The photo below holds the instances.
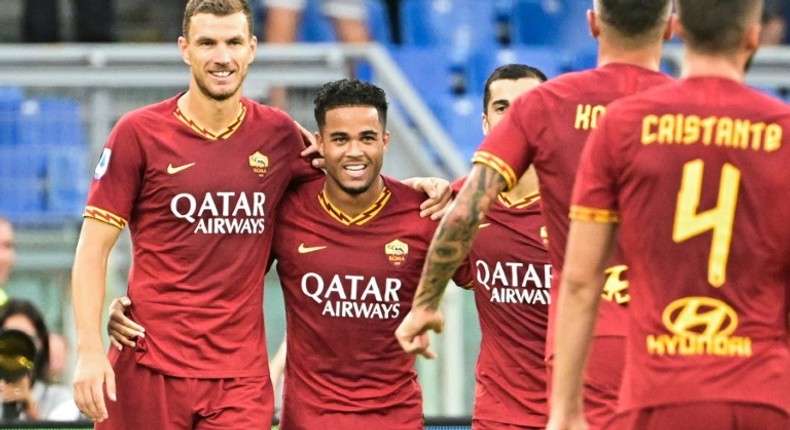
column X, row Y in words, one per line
column 580, row 213
column 496, row 163
column 104, row 216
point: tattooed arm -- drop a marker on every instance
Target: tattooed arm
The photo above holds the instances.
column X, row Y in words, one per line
column 450, row 245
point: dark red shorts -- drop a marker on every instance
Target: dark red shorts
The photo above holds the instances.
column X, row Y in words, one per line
column 150, row 400
column 601, row 380
column 703, row 416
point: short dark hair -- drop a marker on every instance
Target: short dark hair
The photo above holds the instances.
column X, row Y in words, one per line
column 218, row 8
column 28, row 309
column 349, row 92
column 634, row 18
column 511, row 72
column 717, row 26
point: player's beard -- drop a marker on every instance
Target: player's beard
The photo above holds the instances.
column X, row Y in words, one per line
column 206, row 91
column 354, row 191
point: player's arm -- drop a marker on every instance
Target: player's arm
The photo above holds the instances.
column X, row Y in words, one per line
column 589, row 248
column 277, row 364
column 449, row 248
column 88, row 285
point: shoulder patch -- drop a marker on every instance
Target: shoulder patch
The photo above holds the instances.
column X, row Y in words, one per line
column 104, row 162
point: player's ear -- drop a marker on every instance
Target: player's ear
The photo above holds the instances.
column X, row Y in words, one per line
column 182, row 46
column 677, row 28
column 486, row 125
column 253, row 48
column 319, row 142
column 752, row 37
column 592, row 23
column 670, row 30
column 386, row 139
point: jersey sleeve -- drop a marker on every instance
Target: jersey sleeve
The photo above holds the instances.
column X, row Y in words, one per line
column 118, row 177
column 595, row 189
column 510, row 147
column 464, row 275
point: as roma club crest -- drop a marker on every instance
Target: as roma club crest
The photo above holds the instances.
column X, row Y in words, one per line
column 396, row 252
column 259, row 163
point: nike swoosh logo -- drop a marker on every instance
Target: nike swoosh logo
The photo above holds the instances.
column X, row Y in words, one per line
column 173, row 170
column 305, row 249
column 484, row 225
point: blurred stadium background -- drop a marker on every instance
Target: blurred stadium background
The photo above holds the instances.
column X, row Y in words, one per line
column 59, row 101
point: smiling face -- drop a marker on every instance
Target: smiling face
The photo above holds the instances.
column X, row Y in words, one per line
column 219, row 50
column 352, row 141
column 503, row 92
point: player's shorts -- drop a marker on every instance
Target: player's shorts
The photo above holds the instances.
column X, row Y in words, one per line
column 496, row 425
column 703, row 416
column 601, row 380
column 342, row 9
column 150, row 400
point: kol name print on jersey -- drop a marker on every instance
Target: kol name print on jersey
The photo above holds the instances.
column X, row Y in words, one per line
column 222, row 212
column 354, row 296
column 514, row 282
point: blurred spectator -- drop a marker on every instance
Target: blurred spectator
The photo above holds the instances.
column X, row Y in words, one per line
column 58, row 356
column 349, row 18
column 283, row 16
column 393, row 11
column 40, row 400
column 93, row 21
column 7, row 255
column 774, row 22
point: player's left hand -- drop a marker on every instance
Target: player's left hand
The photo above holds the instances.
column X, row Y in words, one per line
column 439, row 195
column 412, row 333
column 311, row 147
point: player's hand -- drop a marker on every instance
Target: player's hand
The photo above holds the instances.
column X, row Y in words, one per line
column 93, row 373
column 412, row 333
column 311, row 148
column 121, row 329
column 439, row 195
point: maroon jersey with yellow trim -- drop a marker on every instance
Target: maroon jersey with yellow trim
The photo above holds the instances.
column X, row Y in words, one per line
column 696, row 174
column 509, row 271
column 200, row 210
column 547, row 127
column 347, row 283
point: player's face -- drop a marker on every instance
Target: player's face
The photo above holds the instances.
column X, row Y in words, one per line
column 7, row 254
column 353, row 142
column 503, row 92
column 219, row 50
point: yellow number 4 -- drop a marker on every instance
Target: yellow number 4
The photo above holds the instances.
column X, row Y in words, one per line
column 689, row 223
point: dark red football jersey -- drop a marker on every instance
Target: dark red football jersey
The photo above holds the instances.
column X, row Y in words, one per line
column 696, row 174
column 200, row 209
column 347, row 283
column 547, row 127
column 509, row 271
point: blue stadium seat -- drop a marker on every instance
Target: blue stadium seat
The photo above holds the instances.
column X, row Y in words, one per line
column 66, row 182
column 549, row 60
column 536, row 22
column 428, row 70
column 10, row 103
column 440, row 22
column 461, row 116
column 50, row 121
column 21, row 184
